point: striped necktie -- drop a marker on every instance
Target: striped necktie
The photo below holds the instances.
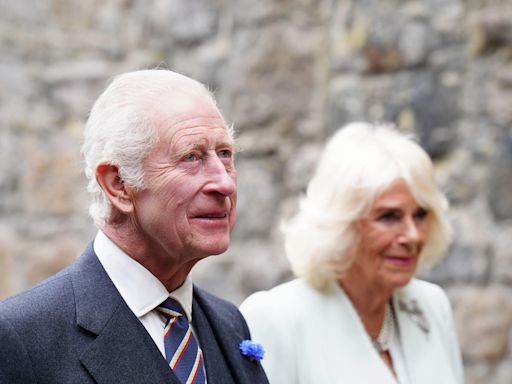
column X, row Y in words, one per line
column 181, row 349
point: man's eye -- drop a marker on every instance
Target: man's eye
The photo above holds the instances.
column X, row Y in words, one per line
column 190, row 157
column 225, row 154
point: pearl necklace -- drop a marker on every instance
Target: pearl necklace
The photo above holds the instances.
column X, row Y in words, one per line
column 383, row 341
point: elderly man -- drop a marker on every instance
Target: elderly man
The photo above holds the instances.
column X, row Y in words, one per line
column 159, row 160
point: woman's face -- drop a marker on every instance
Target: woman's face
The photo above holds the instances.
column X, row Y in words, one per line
column 392, row 235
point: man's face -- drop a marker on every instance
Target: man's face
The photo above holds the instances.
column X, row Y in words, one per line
column 188, row 207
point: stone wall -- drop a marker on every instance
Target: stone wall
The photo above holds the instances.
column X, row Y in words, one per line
column 287, row 73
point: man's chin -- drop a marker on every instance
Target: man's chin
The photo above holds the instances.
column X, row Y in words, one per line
column 219, row 251
column 215, row 247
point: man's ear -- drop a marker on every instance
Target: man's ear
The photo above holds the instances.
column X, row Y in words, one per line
column 114, row 187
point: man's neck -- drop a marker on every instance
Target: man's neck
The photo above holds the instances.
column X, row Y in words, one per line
column 164, row 267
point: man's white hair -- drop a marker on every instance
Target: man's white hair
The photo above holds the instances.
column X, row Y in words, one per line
column 359, row 162
column 121, row 129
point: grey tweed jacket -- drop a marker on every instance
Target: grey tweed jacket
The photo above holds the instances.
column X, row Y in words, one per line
column 76, row 328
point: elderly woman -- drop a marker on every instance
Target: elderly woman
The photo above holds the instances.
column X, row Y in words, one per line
column 355, row 314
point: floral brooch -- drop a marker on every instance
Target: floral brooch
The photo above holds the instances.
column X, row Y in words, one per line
column 253, row 351
column 415, row 313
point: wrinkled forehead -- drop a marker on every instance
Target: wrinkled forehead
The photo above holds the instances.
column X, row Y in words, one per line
column 207, row 136
column 178, row 110
column 193, row 123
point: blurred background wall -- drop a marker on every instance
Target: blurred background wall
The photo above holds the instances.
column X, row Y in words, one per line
column 287, row 73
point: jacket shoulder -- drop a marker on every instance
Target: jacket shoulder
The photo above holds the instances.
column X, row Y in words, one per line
column 430, row 297
column 281, row 312
column 423, row 290
column 287, row 297
column 45, row 300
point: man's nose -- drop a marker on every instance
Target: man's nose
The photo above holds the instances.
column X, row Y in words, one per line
column 222, row 179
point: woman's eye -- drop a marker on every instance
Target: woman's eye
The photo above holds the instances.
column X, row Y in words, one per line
column 389, row 216
column 421, row 214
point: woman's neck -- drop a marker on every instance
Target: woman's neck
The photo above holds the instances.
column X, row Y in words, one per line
column 369, row 301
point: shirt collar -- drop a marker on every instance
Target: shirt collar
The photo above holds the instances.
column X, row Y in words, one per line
column 138, row 287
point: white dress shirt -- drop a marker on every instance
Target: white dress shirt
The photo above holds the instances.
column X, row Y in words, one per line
column 140, row 289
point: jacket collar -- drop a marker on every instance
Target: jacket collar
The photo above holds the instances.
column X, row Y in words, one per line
column 120, row 349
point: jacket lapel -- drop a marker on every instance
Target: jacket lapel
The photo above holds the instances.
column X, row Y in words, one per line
column 349, row 348
column 220, row 330
column 422, row 342
column 214, row 362
column 121, row 351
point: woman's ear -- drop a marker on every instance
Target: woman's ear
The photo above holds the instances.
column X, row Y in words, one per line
column 114, row 187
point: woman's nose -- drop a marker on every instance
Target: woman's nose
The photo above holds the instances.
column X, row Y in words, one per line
column 410, row 232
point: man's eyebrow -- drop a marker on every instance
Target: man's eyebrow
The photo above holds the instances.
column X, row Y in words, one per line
column 176, row 154
column 201, row 145
column 226, row 143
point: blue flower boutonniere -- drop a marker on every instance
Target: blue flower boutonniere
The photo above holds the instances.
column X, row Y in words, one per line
column 253, row 351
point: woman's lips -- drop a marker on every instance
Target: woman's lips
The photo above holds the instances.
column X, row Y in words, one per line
column 400, row 260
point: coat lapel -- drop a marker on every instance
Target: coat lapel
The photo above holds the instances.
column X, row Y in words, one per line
column 352, row 352
column 422, row 342
column 120, row 350
column 220, row 330
column 414, row 337
column 213, row 357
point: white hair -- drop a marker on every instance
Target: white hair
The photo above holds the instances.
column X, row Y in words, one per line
column 360, row 161
column 121, row 129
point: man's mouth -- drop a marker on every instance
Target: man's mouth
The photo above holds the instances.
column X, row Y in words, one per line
column 212, row 216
